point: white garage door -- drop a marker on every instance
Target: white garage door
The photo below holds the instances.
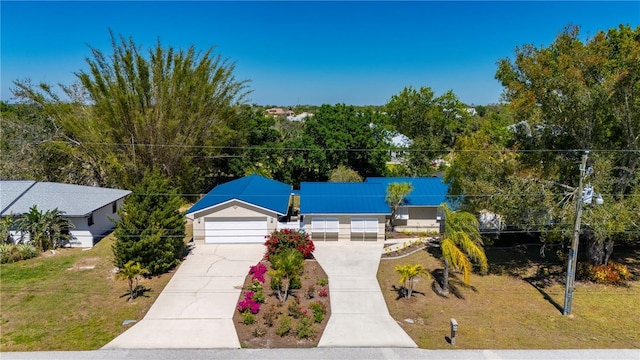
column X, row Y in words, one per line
column 235, row 230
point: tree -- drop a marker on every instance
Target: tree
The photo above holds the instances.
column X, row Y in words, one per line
column 344, row 174
column 287, row 264
column 396, row 193
column 461, row 245
column 432, row 123
column 581, row 95
column 408, row 273
column 151, row 228
column 134, row 111
column 355, row 138
column 131, row 272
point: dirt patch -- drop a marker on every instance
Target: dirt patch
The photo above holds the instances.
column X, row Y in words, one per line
column 85, row 264
column 262, row 333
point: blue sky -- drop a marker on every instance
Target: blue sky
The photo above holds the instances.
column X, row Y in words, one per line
column 356, row 52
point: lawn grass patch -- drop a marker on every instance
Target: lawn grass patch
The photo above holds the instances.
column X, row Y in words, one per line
column 507, row 310
column 68, row 300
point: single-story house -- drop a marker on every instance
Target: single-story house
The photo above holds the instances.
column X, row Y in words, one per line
column 244, row 210
column 344, row 212
column 92, row 210
column 419, row 210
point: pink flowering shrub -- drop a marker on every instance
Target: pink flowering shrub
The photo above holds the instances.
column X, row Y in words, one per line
column 257, row 272
column 248, row 303
column 289, row 239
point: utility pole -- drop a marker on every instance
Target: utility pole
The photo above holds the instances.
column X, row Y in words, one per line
column 573, row 251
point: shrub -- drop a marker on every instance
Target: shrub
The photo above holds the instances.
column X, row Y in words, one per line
column 5, row 251
column 305, row 328
column 284, row 326
column 311, row 292
column 27, row 251
column 322, row 282
column 289, row 239
column 611, row 274
column 248, row 318
column 248, row 303
column 259, row 331
column 276, row 283
column 257, row 272
column 295, row 283
column 295, row 310
column 271, row 315
column 323, row 292
column 319, row 309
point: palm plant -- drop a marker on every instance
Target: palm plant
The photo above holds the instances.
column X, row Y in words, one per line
column 132, row 271
column 408, row 273
column 461, row 245
column 46, row 230
column 287, row 264
column 32, row 223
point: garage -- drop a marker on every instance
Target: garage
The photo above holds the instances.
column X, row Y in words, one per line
column 247, row 230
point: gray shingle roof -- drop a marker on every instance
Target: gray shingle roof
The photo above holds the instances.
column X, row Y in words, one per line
column 73, row 200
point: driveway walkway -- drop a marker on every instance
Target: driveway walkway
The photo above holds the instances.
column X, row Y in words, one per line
column 196, row 307
column 359, row 315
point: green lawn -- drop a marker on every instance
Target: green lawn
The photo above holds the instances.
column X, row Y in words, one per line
column 507, row 310
column 69, row 300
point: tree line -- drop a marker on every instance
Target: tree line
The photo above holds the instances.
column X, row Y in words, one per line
column 183, row 114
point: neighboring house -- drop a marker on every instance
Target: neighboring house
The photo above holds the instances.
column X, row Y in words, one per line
column 92, row 210
column 399, row 143
column 240, row 211
column 279, row 112
column 344, row 212
column 300, row 117
column 419, row 210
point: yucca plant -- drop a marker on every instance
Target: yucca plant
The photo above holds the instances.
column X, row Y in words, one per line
column 27, row 251
column 5, row 251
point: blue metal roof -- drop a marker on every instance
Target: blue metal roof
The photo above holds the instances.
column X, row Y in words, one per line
column 427, row 191
column 253, row 189
column 342, row 198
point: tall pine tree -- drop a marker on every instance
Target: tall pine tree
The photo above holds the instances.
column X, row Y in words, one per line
column 151, row 228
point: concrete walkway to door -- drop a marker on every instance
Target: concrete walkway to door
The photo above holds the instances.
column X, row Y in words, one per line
column 196, row 307
column 359, row 314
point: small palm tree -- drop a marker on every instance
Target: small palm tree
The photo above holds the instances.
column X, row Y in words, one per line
column 286, row 265
column 408, row 273
column 461, row 245
column 132, row 272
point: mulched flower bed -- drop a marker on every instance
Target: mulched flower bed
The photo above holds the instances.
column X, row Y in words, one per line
column 270, row 322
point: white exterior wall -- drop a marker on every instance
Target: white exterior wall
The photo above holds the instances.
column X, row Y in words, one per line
column 344, row 226
column 104, row 219
column 231, row 209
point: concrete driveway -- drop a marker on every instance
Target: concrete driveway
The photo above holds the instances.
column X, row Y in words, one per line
column 359, row 314
column 196, row 307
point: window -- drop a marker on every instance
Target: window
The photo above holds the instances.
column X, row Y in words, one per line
column 90, row 220
column 114, row 207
